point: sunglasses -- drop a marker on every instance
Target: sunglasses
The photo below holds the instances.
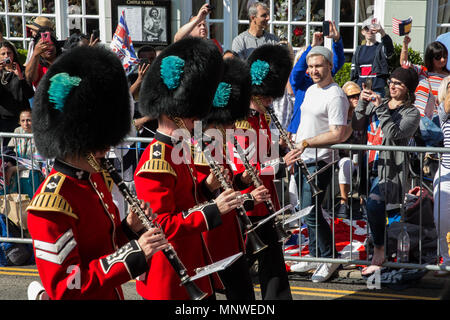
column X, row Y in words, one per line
column 354, row 96
column 395, row 83
column 439, row 56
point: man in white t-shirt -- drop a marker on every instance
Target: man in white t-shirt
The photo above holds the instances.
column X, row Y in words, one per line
column 323, row 122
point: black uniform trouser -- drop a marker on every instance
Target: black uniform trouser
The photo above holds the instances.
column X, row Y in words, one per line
column 272, row 274
column 237, row 280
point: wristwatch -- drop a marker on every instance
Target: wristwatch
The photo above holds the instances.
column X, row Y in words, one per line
column 305, row 144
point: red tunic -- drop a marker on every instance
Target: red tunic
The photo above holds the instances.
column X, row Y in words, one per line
column 225, row 240
column 80, row 246
column 252, row 146
column 172, row 189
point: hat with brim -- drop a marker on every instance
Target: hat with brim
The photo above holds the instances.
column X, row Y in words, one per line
column 82, row 104
column 351, row 88
column 40, row 22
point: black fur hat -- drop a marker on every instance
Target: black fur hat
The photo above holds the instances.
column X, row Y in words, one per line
column 270, row 67
column 82, row 104
column 232, row 99
column 182, row 80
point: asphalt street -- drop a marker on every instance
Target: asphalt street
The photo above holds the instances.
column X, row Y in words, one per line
column 345, row 285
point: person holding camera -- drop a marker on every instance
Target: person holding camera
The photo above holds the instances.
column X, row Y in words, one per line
column 45, row 52
column 14, row 89
column 196, row 27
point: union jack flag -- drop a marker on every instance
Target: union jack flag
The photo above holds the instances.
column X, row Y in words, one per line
column 122, row 45
column 374, row 138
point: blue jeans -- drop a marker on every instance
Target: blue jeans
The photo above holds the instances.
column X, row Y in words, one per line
column 376, row 213
column 319, row 231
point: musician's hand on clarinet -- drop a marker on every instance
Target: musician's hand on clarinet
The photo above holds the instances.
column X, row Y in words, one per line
column 246, row 178
column 152, row 241
column 133, row 220
column 229, row 200
column 212, row 183
column 260, row 194
column 292, row 156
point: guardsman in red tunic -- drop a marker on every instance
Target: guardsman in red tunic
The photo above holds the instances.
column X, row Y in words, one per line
column 270, row 66
column 178, row 89
column 82, row 249
column 231, row 103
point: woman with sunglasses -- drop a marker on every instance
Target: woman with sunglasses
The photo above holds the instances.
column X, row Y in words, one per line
column 430, row 76
column 398, row 120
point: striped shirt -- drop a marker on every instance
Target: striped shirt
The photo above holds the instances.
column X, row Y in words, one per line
column 426, row 79
column 445, row 126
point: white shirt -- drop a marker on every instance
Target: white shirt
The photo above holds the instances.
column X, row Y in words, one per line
column 321, row 108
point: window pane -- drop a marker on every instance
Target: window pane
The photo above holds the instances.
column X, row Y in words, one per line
column 281, row 8
column 242, row 27
column 14, row 6
column 15, row 26
column 347, row 11
column 281, row 31
column 92, row 7
column 242, row 10
column 31, row 6
column 299, row 10
column 48, row 6
column 443, row 15
column 347, row 36
column 91, row 25
column 366, row 9
column 298, row 36
column 217, row 13
column 317, row 10
column 2, row 5
column 18, row 44
column 3, row 25
column 442, row 30
column 216, row 32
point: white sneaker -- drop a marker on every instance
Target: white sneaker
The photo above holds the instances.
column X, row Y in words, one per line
column 37, row 292
column 324, row 272
column 304, row 266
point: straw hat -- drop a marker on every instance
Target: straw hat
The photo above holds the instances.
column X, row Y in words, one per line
column 40, row 22
column 351, row 88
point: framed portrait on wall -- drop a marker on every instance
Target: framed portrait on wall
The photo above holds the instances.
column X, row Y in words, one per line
column 148, row 21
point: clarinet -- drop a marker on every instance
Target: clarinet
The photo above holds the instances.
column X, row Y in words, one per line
column 253, row 238
column 282, row 235
column 194, row 292
column 302, row 165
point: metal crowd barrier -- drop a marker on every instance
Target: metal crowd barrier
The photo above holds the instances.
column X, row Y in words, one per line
column 131, row 144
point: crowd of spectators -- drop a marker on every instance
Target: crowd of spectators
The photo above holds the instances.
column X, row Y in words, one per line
column 374, row 108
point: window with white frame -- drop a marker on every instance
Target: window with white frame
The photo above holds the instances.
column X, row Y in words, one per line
column 16, row 14
column 297, row 20
column 83, row 16
column 443, row 17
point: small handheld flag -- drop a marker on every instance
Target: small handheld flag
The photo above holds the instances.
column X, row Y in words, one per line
column 401, row 27
column 122, row 45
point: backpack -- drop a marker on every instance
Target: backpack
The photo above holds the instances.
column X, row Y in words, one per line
column 11, row 253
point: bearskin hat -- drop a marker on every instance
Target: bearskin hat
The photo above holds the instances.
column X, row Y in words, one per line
column 182, row 80
column 270, row 67
column 232, row 99
column 82, row 104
